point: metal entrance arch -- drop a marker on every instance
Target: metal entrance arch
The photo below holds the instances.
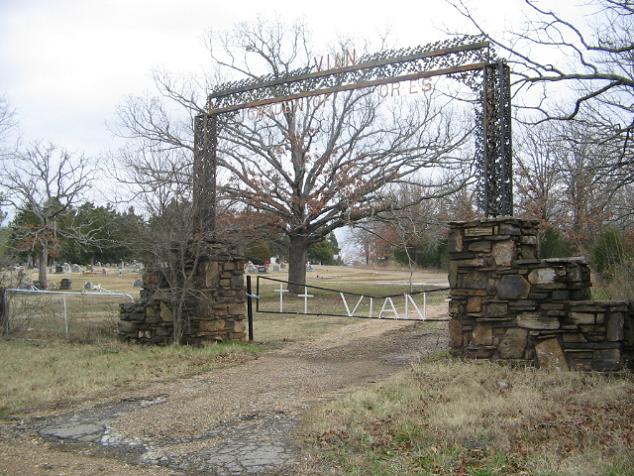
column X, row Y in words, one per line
column 468, row 58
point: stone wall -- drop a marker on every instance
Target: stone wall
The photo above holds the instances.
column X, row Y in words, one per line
column 508, row 304
column 213, row 306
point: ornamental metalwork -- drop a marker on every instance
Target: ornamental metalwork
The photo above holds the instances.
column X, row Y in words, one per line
column 469, row 59
column 204, row 177
column 493, row 142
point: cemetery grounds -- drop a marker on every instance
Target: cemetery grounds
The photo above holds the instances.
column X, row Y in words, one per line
column 312, row 395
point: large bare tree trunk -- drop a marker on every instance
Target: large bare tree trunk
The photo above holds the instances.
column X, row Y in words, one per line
column 43, row 266
column 297, row 248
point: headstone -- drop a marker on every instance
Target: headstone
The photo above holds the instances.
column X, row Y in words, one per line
column 75, row 268
column 138, row 283
column 66, row 267
column 87, row 285
column 59, row 269
column 65, row 283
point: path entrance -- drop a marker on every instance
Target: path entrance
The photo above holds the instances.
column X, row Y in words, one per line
column 236, row 420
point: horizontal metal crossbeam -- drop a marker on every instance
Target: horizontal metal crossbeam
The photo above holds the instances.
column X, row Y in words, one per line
column 457, row 55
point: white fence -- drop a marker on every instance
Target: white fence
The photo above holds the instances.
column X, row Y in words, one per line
column 82, row 316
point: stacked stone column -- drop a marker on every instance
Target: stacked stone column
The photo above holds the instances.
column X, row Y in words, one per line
column 507, row 304
column 213, row 303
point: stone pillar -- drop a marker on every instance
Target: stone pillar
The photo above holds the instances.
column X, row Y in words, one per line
column 213, row 307
column 507, row 304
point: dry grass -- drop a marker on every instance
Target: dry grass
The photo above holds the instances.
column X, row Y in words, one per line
column 44, row 368
column 449, row 417
column 37, row 374
column 276, row 330
column 89, row 319
column 336, row 276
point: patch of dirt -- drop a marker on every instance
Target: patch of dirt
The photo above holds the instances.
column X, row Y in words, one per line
column 235, row 420
column 28, row 455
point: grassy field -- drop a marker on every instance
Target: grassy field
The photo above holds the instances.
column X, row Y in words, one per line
column 441, row 417
column 37, row 374
column 447, row 417
column 44, row 368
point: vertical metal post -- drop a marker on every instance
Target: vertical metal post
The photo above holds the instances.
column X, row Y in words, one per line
column 4, row 310
column 204, row 179
column 250, row 308
column 496, row 163
column 257, row 293
column 65, row 316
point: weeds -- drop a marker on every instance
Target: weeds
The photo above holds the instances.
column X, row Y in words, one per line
column 477, row 418
column 36, row 374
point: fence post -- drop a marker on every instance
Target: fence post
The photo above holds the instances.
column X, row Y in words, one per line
column 424, row 305
column 4, row 311
column 250, row 308
column 65, row 316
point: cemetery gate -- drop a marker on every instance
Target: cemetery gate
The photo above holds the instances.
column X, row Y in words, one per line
column 468, row 58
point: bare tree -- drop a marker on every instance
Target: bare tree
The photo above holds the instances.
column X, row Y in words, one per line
column 597, row 55
column 7, row 123
column 312, row 166
column 415, row 228
column 7, row 118
column 538, row 174
column 153, row 177
column 588, row 184
column 566, row 180
column 45, row 181
column 584, row 69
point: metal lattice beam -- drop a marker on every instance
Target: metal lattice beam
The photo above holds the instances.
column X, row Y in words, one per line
column 461, row 54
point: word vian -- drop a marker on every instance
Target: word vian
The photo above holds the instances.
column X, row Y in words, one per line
column 339, row 60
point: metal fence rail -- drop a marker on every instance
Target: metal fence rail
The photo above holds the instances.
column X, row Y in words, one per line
column 42, row 313
column 413, row 305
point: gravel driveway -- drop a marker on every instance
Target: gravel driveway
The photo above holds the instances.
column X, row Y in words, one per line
column 236, row 420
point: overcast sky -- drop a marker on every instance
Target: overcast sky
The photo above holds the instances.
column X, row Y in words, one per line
column 66, row 64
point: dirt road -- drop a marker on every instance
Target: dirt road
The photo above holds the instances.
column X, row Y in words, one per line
column 237, row 420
